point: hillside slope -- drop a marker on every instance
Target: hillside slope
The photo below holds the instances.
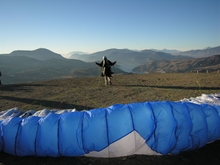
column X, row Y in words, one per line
column 17, row 69
column 180, row 66
column 38, row 54
column 127, row 59
column 201, row 52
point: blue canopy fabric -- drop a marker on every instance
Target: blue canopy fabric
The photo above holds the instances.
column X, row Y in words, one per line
column 146, row 128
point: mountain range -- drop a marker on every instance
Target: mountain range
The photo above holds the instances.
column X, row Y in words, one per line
column 204, row 64
column 26, row 66
column 43, row 64
column 38, row 54
column 201, row 52
column 127, row 59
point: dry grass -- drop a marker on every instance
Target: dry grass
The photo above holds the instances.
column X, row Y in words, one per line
column 89, row 93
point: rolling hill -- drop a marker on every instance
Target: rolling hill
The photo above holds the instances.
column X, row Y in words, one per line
column 43, row 64
column 201, row 52
column 180, row 66
column 38, row 54
column 127, row 59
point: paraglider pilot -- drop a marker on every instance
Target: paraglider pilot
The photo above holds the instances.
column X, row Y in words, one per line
column 106, row 69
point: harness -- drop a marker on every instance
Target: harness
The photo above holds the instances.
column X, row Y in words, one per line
column 105, row 66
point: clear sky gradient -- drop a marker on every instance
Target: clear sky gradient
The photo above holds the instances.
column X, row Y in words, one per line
column 64, row 26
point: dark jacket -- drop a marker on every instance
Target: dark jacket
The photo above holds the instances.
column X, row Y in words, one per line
column 106, row 67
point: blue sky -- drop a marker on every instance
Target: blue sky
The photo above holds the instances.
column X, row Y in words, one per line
column 64, row 26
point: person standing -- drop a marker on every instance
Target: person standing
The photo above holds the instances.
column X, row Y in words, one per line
column 106, row 70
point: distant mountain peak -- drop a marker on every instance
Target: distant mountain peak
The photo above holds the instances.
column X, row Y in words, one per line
column 39, row 54
column 170, row 51
column 78, row 52
column 43, row 50
column 202, row 52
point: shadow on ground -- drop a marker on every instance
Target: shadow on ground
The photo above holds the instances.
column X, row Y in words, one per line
column 176, row 87
column 20, row 87
column 47, row 103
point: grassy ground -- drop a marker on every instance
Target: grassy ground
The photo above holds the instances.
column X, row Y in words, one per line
column 89, row 93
